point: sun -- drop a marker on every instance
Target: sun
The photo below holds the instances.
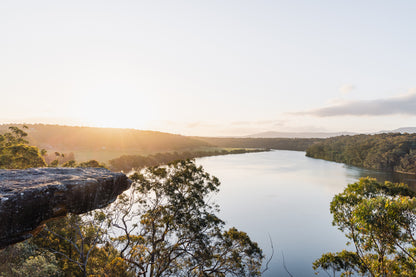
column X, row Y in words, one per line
column 115, row 111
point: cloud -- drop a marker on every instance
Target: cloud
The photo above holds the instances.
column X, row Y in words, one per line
column 400, row 105
column 347, row 88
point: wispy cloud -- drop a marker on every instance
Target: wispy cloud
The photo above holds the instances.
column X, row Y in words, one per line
column 346, row 88
column 400, row 105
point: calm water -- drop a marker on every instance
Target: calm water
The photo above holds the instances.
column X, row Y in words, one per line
column 285, row 195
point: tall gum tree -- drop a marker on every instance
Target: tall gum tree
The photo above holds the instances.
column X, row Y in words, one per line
column 169, row 228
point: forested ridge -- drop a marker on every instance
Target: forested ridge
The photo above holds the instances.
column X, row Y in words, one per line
column 70, row 138
column 105, row 144
column 296, row 144
column 129, row 162
column 389, row 151
column 165, row 225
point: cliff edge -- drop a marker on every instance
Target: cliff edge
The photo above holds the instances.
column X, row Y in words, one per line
column 31, row 196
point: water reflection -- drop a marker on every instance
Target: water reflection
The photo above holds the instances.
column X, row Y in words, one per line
column 355, row 173
column 286, row 195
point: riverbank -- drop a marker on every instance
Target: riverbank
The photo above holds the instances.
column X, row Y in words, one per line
column 136, row 162
column 393, row 152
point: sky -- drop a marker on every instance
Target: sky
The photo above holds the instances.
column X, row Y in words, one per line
column 214, row 68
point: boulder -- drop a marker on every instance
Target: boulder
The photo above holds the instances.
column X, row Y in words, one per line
column 32, row 196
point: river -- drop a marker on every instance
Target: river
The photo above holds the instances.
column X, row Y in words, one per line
column 284, row 196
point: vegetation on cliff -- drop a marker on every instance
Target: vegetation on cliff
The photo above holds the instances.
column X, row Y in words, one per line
column 165, row 225
column 392, row 152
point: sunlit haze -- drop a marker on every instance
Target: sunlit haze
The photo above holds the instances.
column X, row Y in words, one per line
column 215, row 68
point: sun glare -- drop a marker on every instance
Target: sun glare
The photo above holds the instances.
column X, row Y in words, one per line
column 115, row 111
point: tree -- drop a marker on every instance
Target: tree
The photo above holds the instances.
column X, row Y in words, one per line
column 15, row 153
column 393, row 151
column 80, row 246
column 70, row 163
column 25, row 259
column 345, row 261
column 91, row 163
column 380, row 222
column 170, row 229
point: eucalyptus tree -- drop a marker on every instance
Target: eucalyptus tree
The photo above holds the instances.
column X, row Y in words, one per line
column 380, row 222
column 15, row 153
column 168, row 227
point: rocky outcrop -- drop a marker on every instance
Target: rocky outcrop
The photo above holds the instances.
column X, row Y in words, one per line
column 31, row 196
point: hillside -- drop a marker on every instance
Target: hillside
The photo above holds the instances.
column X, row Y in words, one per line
column 273, row 134
column 104, row 143
column 391, row 151
column 298, row 144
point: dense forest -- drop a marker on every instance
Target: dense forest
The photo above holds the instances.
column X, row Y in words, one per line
column 105, row 144
column 129, row 162
column 164, row 225
column 392, row 151
column 68, row 138
column 296, row 144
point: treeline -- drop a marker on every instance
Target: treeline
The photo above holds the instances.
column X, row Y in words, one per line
column 72, row 138
column 104, row 144
column 297, row 144
column 164, row 225
column 392, row 151
column 129, row 162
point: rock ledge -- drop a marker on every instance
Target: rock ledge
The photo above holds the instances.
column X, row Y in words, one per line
column 29, row 197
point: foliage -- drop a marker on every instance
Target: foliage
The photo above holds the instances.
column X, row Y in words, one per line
column 393, row 152
column 71, row 163
column 16, row 154
column 72, row 138
column 174, row 232
column 169, row 228
column 80, row 247
column 104, row 144
column 129, row 162
column 56, row 159
column 380, row 222
column 91, row 163
column 25, row 259
column 344, row 261
column 297, row 144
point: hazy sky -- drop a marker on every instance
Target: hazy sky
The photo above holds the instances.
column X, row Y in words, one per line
column 210, row 67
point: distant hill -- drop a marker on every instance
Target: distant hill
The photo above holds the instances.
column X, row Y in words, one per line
column 298, row 134
column 297, row 144
column 272, row 134
column 390, row 151
column 104, row 143
column 402, row 130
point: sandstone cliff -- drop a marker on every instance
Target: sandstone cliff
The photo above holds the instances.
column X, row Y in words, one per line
column 29, row 197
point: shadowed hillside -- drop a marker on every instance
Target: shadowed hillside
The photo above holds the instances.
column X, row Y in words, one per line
column 298, row 144
column 392, row 151
column 104, row 143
